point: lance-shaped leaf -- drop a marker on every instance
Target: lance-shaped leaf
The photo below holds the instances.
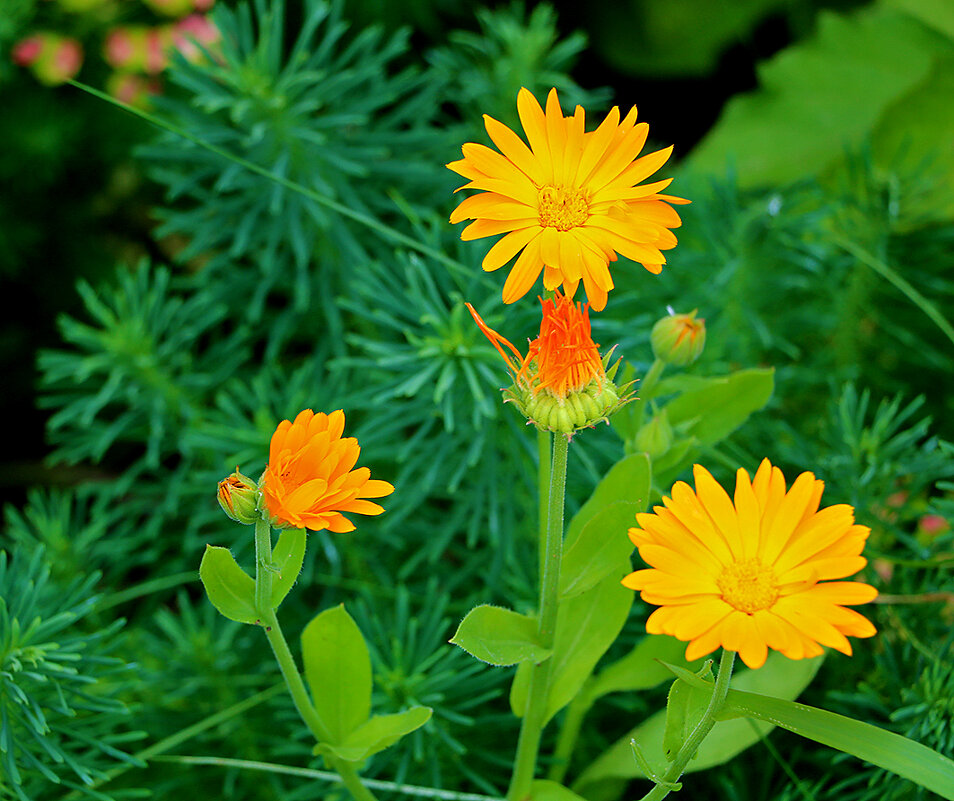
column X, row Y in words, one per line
column 230, row 589
column 338, row 670
column 500, row 636
column 379, row 733
column 627, row 480
column 885, row 749
column 602, row 545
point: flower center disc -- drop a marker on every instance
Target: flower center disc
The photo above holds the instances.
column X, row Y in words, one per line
column 748, row 586
column 561, row 208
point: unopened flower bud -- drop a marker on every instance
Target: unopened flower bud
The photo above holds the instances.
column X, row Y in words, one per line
column 678, row 338
column 655, row 437
column 238, row 497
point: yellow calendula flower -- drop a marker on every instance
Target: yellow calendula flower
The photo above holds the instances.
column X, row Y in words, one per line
column 568, row 203
column 753, row 572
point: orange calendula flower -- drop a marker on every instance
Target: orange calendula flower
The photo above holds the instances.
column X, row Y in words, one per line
column 568, row 203
column 563, row 383
column 755, row 573
column 309, row 480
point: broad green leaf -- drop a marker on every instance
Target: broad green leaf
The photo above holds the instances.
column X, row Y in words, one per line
column 714, row 410
column 938, row 14
column 288, row 556
column 627, row 480
column 916, row 129
column 545, row 790
column 885, row 749
column 602, row 545
column 586, row 627
column 780, row 675
column 380, row 732
column 685, row 706
column 230, row 589
column 499, row 636
column 641, row 668
column 338, row 670
column 674, row 38
column 819, row 96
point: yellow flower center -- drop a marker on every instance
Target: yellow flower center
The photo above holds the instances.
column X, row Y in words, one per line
column 562, row 208
column 748, row 586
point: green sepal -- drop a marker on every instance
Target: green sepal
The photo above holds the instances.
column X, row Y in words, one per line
column 500, row 636
column 378, row 733
column 287, row 559
column 230, row 589
column 338, row 671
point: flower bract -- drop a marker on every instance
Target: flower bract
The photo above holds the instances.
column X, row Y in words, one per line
column 568, row 203
column 309, row 481
column 753, row 572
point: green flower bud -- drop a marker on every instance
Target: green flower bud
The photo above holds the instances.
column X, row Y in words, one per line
column 238, row 497
column 678, row 338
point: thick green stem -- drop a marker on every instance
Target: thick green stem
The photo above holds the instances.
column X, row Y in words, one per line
column 544, row 439
column 263, row 572
column 539, row 690
column 698, row 734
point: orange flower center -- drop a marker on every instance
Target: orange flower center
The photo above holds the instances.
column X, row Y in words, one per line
column 562, row 208
column 748, row 586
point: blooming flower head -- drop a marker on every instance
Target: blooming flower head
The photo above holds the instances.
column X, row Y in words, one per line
column 755, row 573
column 309, row 480
column 568, row 203
column 562, row 383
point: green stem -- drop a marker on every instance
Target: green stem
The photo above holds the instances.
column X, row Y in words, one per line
column 263, row 570
column 384, row 230
column 538, row 693
column 648, row 382
column 698, row 734
column 544, row 438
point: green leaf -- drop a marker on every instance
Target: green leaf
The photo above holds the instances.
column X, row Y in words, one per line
column 380, row 732
column 819, row 96
column 885, row 749
column 714, row 410
column 641, row 668
column 685, row 706
column 627, row 480
column 338, row 671
column 602, row 545
column 230, row 589
column 545, row 790
column 499, row 636
column 916, row 129
column 780, row 675
column 288, row 556
column 586, row 627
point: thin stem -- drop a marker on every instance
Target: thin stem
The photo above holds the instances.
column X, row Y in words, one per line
column 384, row 230
column 538, row 692
column 648, row 382
column 323, row 775
column 698, row 734
column 263, row 571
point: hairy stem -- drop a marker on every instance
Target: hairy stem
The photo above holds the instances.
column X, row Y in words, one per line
column 538, row 692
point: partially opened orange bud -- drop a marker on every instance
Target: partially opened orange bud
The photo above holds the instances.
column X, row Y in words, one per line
column 679, row 338
column 238, row 497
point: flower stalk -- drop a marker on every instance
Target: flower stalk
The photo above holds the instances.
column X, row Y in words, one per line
column 538, row 693
column 667, row 783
